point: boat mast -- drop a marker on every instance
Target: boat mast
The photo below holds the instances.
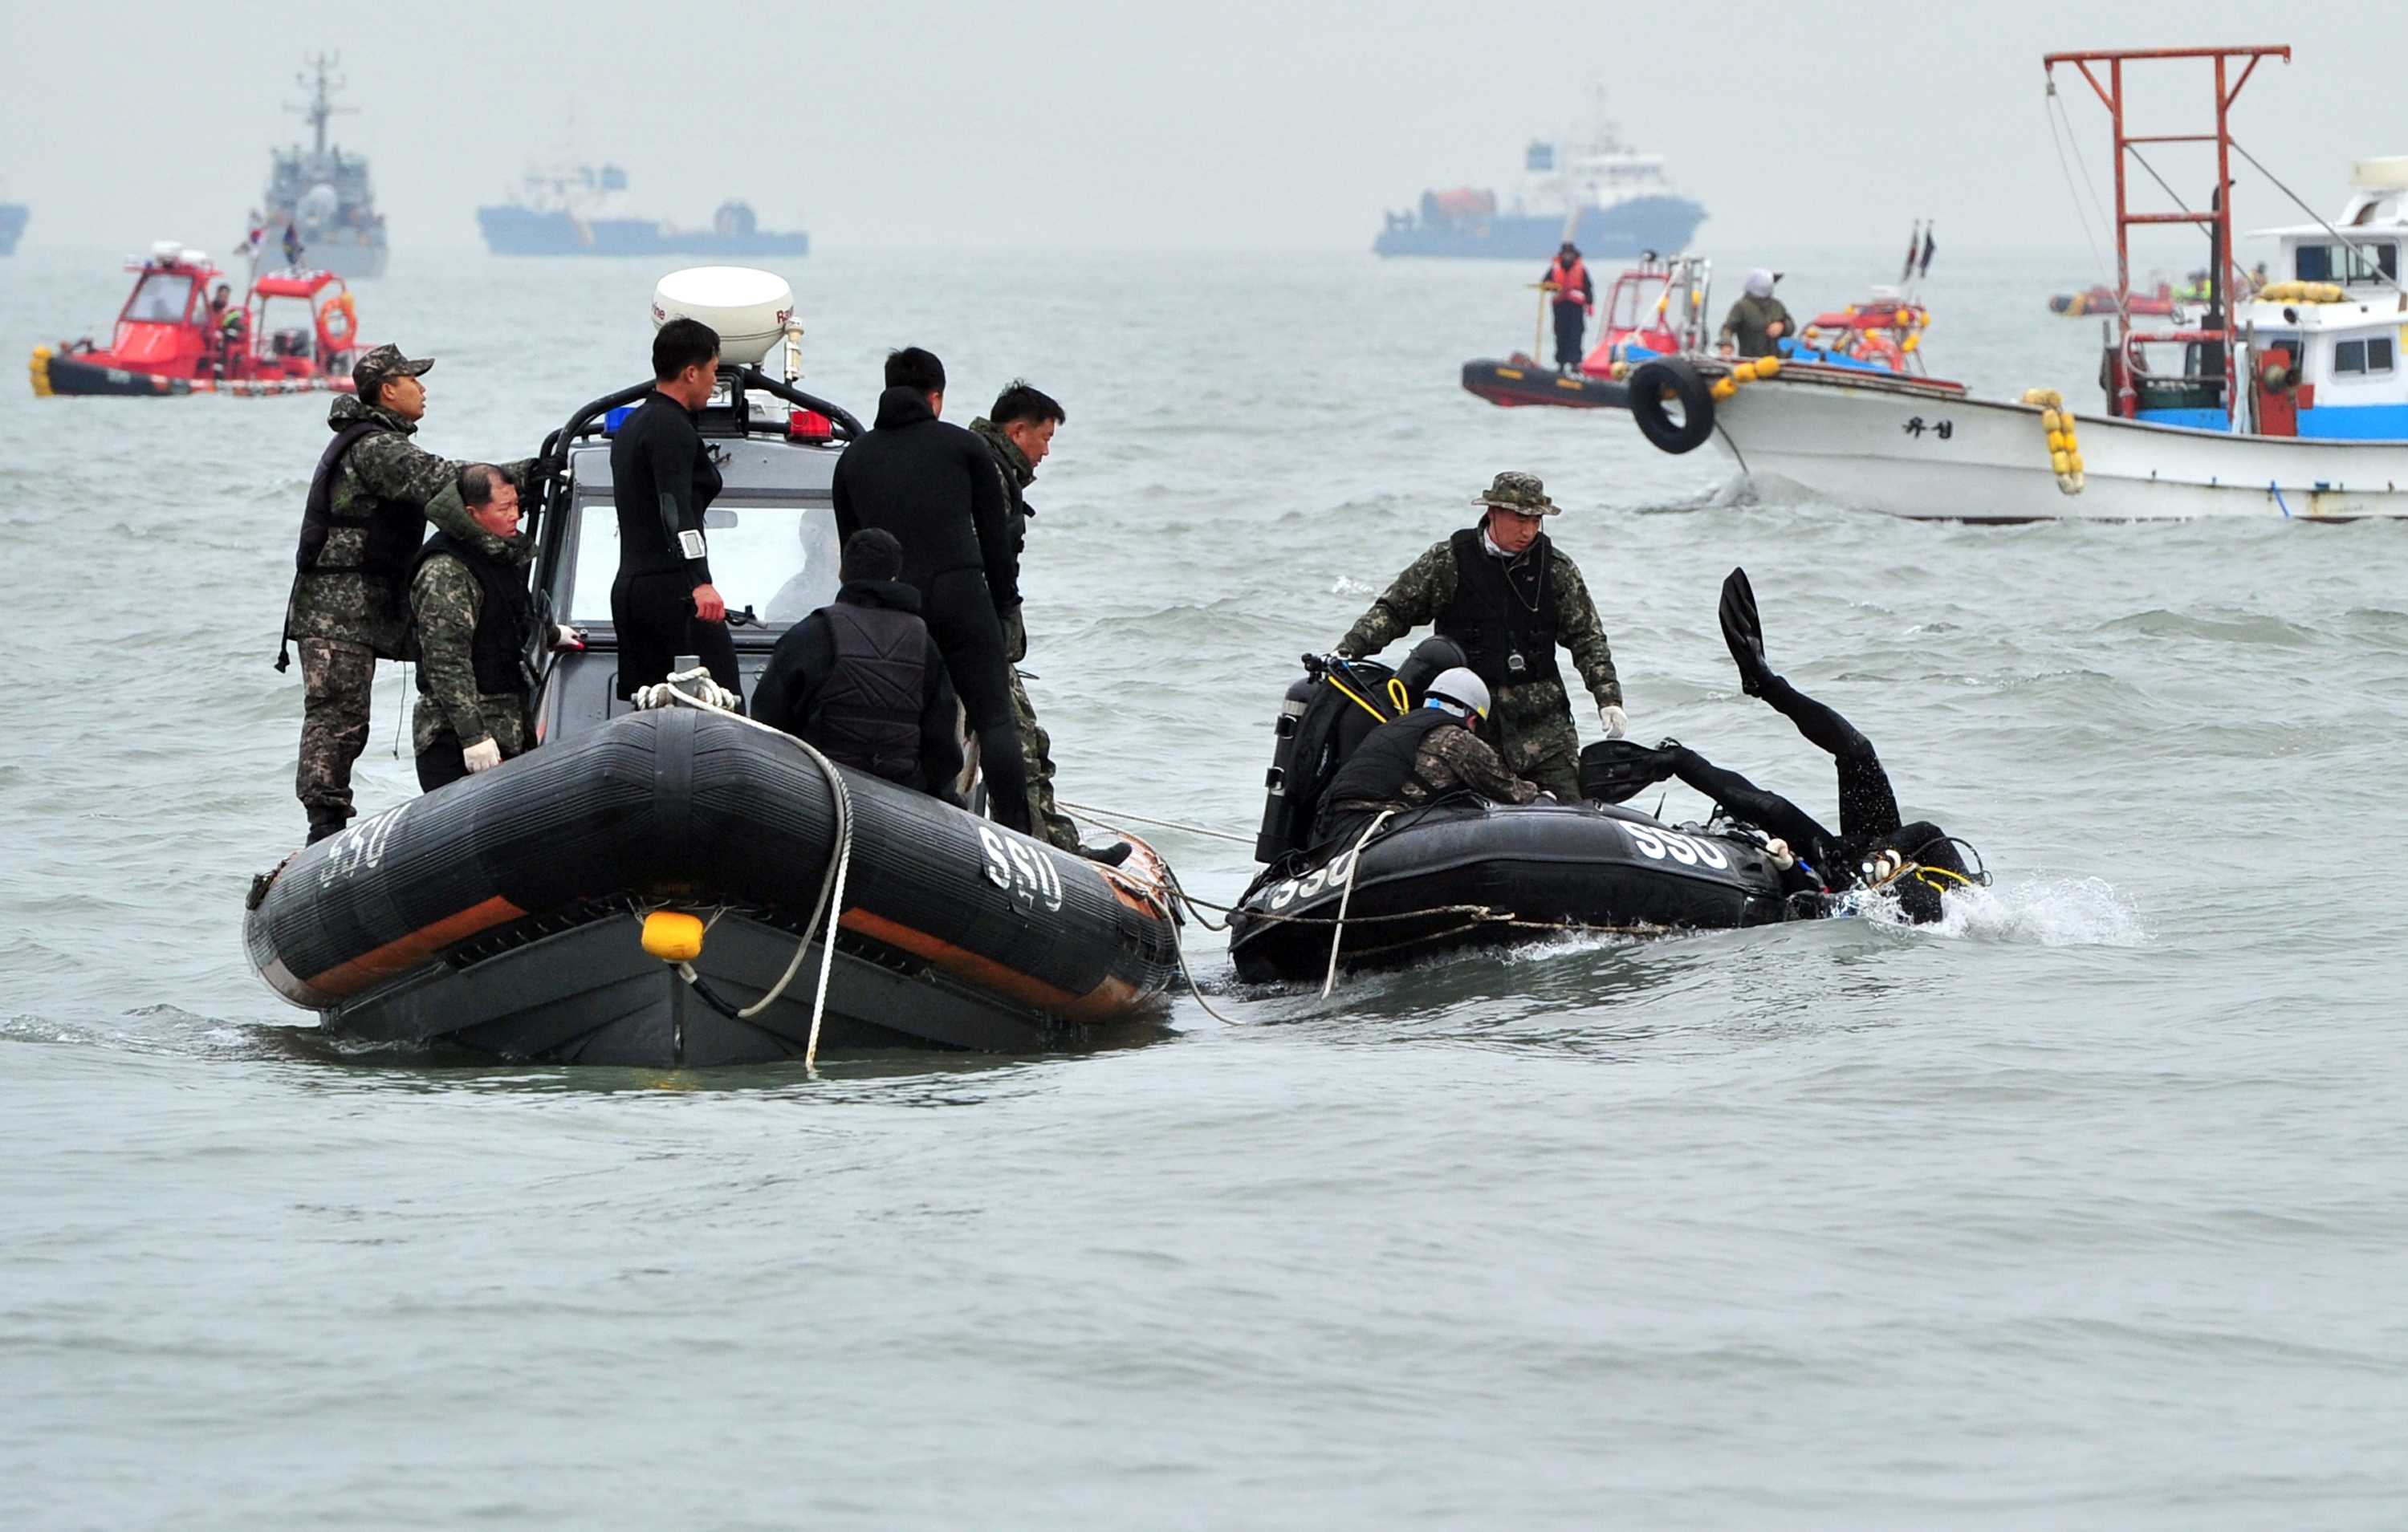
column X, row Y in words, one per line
column 320, row 104
column 2216, row 221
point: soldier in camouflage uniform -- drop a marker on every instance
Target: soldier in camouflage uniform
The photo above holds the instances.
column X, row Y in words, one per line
column 369, row 503
column 1020, row 435
column 1510, row 596
column 474, row 622
column 1414, row 761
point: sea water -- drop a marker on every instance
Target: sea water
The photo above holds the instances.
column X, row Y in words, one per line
column 2084, row 1208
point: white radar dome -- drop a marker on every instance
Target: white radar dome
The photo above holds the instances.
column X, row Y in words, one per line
column 318, row 207
column 2387, row 173
column 751, row 309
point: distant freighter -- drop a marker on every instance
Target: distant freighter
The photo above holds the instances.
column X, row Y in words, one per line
column 1611, row 202
column 12, row 225
column 556, row 213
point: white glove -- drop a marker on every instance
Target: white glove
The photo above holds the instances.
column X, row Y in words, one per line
column 1778, row 849
column 565, row 637
column 1614, row 720
column 484, row 755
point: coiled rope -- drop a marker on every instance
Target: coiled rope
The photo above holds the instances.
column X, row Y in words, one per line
column 830, row 904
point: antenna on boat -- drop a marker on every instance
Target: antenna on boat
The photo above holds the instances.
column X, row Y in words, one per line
column 2216, row 221
column 321, row 104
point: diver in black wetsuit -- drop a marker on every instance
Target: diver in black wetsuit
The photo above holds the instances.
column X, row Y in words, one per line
column 1872, row 843
column 663, row 604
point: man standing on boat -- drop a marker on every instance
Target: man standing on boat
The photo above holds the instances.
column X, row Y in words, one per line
column 933, row 486
column 663, row 604
column 1758, row 323
column 1575, row 300
column 475, row 623
column 369, row 503
column 1020, row 433
column 1510, row 597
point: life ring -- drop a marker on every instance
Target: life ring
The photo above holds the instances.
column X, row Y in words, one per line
column 339, row 306
column 1649, row 384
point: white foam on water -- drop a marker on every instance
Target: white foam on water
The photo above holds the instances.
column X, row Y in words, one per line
column 1349, row 585
column 2046, row 912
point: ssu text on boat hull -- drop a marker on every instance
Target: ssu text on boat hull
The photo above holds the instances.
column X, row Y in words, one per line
column 1476, row 875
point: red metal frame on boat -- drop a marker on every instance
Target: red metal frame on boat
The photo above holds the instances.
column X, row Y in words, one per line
column 2219, row 220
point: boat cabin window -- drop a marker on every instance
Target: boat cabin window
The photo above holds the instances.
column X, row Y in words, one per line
column 160, row 299
column 779, row 560
column 2357, row 358
column 2371, row 262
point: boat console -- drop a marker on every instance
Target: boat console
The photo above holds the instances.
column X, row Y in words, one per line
column 773, row 530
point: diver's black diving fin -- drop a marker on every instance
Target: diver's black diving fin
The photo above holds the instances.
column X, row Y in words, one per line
column 1744, row 633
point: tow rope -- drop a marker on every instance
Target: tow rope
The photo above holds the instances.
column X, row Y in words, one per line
column 831, row 897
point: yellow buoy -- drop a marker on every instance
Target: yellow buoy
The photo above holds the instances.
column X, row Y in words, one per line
column 1767, row 366
column 2061, row 462
column 1723, row 388
column 673, row 936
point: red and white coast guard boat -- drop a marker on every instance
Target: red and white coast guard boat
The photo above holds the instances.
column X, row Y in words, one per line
column 296, row 332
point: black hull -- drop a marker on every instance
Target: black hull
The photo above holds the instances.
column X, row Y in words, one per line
column 1481, row 875
column 500, row 914
column 1520, row 382
column 66, row 375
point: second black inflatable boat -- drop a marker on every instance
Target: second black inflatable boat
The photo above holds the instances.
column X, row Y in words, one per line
column 1462, row 873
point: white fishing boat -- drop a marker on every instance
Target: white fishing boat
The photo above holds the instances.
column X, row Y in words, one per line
column 2292, row 402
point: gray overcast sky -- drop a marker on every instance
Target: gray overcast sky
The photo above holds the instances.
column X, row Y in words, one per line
column 1238, row 124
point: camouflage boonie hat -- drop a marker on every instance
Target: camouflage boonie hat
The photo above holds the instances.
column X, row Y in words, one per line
column 382, row 367
column 1519, row 492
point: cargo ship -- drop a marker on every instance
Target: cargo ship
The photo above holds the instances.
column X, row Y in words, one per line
column 1611, row 200
column 320, row 193
column 12, row 225
column 568, row 212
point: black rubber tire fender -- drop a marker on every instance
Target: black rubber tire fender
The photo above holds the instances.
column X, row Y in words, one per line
column 1648, row 386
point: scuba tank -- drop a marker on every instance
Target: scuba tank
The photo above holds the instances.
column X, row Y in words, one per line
column 1321, row 719
column 1281, row 833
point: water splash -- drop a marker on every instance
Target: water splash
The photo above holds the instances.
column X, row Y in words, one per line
column 2046, row 912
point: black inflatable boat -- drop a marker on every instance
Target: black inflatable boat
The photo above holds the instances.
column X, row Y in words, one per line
column 637, row 891
column 1462, row 873
column 504, row 913
column 1519, row 380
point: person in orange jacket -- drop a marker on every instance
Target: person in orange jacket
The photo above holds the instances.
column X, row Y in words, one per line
column 1575, row 300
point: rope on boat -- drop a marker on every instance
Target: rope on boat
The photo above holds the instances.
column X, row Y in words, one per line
column 831, row 898
column 2056, row 114
column 1353, row 865
column 1106, row 819
column 2372, row 266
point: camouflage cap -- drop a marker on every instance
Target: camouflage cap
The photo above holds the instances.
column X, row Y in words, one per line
column 382, row 365
column 1519, row 492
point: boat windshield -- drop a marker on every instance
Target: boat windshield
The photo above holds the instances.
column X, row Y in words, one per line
column 160, row 299
column 779, row 560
